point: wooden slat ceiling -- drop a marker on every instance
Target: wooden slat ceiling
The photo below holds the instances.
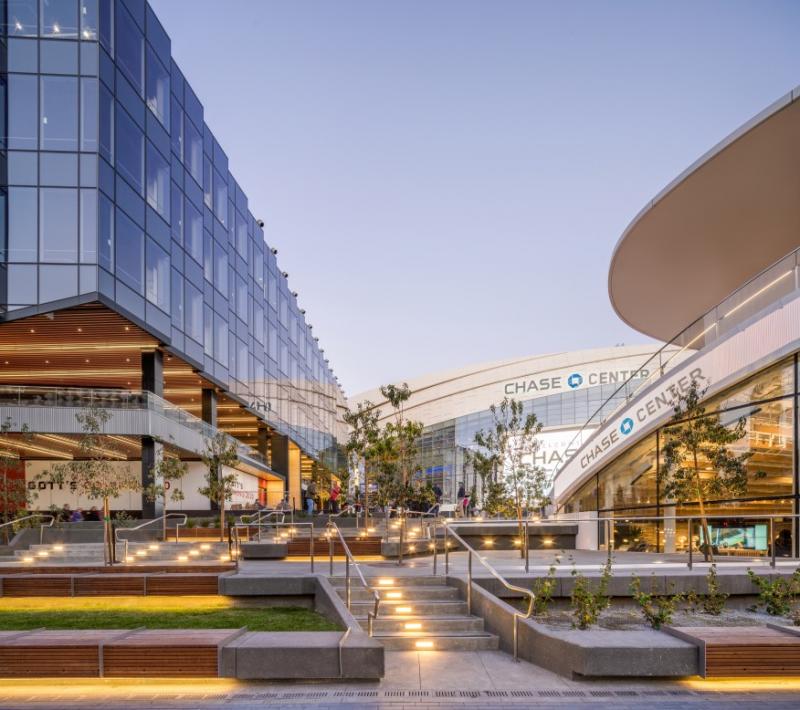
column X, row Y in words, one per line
column 93, row 346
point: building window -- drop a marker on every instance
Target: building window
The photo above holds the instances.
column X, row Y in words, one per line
column 176, row 305
column 58, row 224
column 157, row 276
column 130, row 49
column 105, row 238
column 157, row 88
column 23, row 18
column 59, row 106
column 23, row 221
column 130, row 150
column 158, row 196
column 220, row 269
column 106, row 128
column 89, row 226
column 220, row 198
column 22, row 284
column 89, row 19
column 194, row 313
column 193, row 151
column 130, row 252
column 193, row 231
column 60, row 19
column 89, row 114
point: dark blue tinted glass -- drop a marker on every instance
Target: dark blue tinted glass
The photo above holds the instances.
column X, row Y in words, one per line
column 130, row 150
column 23, row 112
column 157, row 89
column 59, row 106
column 60, row 19
column 158, row 196
column 130, row 253
column 58, row 224
column 105, row 232
column 23, row 18
column 23, row 55
column 130, row 48
column 89, row 114
column 58, row 57
column 90, row 19
column 23, row 223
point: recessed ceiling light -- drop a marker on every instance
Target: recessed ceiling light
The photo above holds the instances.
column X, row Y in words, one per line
column 80, row 330
column 33, row 330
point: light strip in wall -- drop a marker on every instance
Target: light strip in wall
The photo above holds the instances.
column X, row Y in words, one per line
column 758, row 293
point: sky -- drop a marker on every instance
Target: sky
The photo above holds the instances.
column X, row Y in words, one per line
column 445, row 180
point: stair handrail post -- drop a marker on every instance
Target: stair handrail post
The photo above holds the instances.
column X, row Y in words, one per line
column 772, row 540
column 516, row 638
column 311, row 548
column 330, row 550
column 446, row 552
column 527, row 547
column 469, row 582
column 347, row 579
column 689, row 536
column 402, row 530
column 435, row 552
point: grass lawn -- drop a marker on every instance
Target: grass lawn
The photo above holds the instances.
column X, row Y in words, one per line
column 200, row 612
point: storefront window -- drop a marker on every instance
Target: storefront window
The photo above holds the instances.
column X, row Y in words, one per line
column 630, row 480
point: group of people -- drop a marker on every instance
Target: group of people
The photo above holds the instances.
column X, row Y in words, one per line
column 312, row 500
column 67, row 515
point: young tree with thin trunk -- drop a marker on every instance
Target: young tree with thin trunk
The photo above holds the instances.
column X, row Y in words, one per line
column 698, row 463
column 220, row 453
column 165, row 474
column 508, row 449
column 95, row 473
column 363, row 423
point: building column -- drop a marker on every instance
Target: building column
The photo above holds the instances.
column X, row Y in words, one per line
column 263, row 442
column 152, row 381
column 208, row 413
column 153, row 372
column 279, row 456
column 152, row 453
column 209, row 406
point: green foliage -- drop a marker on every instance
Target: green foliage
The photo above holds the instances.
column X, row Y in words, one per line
column 657, row 609
column 220, row 453
column 714, row 601
column 543, row 588
column 14, row 494
column 698, row 462
column 122, row 518
column 504, row 453
column 778, row 595
column 363, row 423
column 168, row 471
column 588, row 603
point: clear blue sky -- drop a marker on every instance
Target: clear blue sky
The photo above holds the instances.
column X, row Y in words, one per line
column 445, row 179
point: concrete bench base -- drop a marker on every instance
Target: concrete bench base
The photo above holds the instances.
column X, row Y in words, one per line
column 264, row 550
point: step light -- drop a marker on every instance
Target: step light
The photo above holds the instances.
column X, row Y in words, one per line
column 205, row 546
column 194, row 553
column 153, row 547
column 394, row 595
column 183, row 558
column 404, row 609
column 413, row 626
column 42, row 553
column 58, row 548
column 386, row 581
column 27, row 560
column 423, row 644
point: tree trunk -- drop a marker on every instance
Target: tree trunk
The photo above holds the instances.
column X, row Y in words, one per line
column 108, row 552
column 222, row 518
column 708, row 552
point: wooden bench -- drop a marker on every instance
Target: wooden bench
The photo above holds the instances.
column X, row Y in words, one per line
column 93, row 585
column 177, row 584
column 167, row 653
column 743, row 650
column 97, row 585
column 36, row 586
column 52, row 654
column 358, row 546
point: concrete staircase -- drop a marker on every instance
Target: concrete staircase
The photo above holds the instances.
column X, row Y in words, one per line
column 418, row 613
column 89, row 553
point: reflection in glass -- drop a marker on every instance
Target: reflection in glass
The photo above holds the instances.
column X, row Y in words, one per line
column 130, row 252
column 106, row 126
column 56, row 282
column 58, row 224
column 23, row 18
column 89, row 114
column 89, row 19
column 130, row 49
column 59, row 96
column 130, row 150
column 23, row 221
column 58, row 57
column 193, row 155
column 157, row 88
column 157, row 276
column 105, row 234
column 194, row 313
column 158, row 196
column 60, row 19
column 23, row 112
column 88, row 226
column 193, row 231
column 22, row 285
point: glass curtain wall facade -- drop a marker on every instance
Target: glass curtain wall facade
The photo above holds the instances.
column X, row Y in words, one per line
column 443, row 447
column 115, row 189
column 628, row 488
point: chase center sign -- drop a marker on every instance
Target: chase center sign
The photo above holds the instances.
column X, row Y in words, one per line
column 547, row 384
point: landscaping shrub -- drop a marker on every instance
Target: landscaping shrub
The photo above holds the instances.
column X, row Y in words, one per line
column 714, row 602
column 656, row 608
column 587, row 604
column 543, row 589
column 776, row 596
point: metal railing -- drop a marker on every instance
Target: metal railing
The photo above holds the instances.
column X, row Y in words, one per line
column 161, row 519
column 372, row 614
column 609, row 524
column 499, row 577
column 770, row 285
column 78, row 397
column 524, row 541
column 49, row 524
column 258, row 519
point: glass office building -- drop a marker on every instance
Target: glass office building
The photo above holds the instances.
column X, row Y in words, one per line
column 121, row 209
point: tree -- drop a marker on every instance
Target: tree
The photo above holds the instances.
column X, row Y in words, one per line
column 14, row 493
column 698, row 462
column 363, row 423
column 508, row 450
column 220, row 453
column 93, row 472
column 168, row 471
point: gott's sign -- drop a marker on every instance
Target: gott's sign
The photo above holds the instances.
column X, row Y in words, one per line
column 573, row 380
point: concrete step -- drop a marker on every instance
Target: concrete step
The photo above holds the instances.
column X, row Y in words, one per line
column 420, row 608
column 410, row 594
column 389, row 581
column 466, row 641
column 427, row 624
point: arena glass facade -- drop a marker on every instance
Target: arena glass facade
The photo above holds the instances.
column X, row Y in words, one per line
column 117, row 194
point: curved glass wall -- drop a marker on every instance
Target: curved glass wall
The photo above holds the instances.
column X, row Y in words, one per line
column 118, row 190
column 628, row 487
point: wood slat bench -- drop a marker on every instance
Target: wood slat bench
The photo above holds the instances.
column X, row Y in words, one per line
column 358, row 546
column 92, row 585
column 50, row 654
column 743, row 650
column 219, row 568
column 167, row 653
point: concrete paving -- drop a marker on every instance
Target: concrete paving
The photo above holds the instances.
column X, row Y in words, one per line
column 415, row 679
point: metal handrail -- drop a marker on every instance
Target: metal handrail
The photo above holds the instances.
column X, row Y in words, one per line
column 28, row 517
column 499, row 577
column 371, row 614
column 292, row 526
column 260, row 517
column 160, row 518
